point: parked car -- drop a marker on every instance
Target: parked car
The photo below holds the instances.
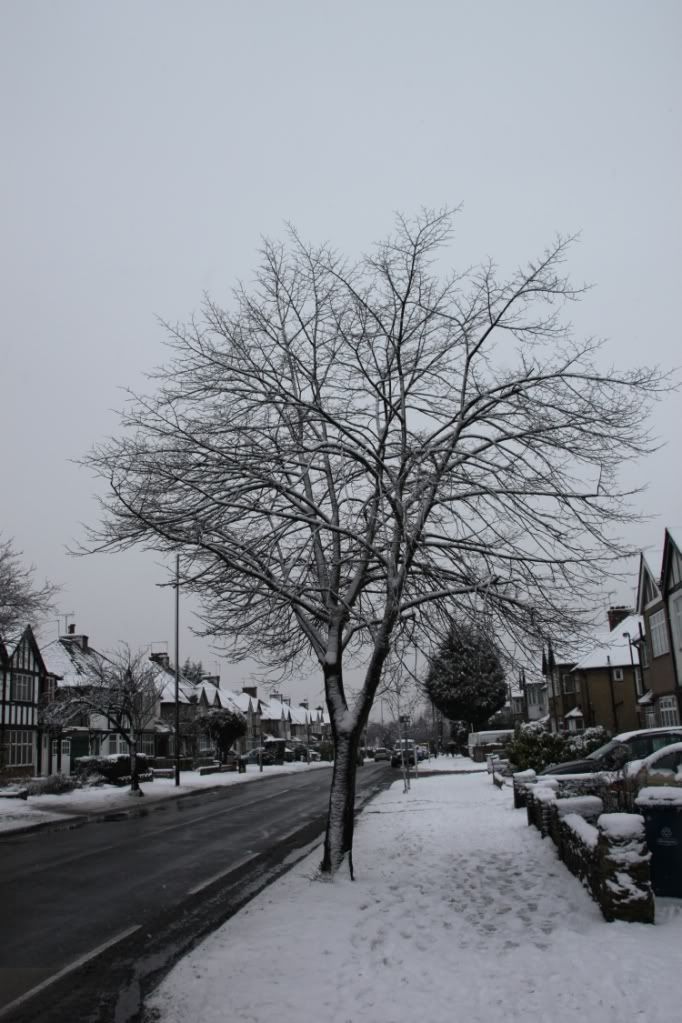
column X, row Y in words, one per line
column 380, row 753
column 397, row 757
column 664, row 767
column 252, row 757
column 620, row 750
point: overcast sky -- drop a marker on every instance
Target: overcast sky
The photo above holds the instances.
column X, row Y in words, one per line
column 147, row 146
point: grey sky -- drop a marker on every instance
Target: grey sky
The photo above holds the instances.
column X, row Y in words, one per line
column 148, row 146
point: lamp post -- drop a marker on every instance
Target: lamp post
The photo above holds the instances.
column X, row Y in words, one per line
column 635, row 680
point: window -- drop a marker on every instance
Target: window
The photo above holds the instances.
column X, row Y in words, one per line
column 20, row 748
column 146, row 745
column 617, row 674
column 568, row 682
column 644, row 652
column 676, row 620
column 114, row 744
column 638, row 682
column 22, row 687
column 650, row 718
column 667, row 711
column 659, row 635
column 532, row 695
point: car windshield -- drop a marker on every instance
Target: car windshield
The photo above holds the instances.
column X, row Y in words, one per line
column 603, row 751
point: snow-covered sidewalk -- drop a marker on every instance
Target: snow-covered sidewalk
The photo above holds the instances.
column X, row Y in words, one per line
column 19, row 814
column 460, row 911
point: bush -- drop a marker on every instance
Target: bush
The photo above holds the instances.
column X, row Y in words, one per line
column 534, row 747
column 53, row 785
column 114, row 769
column 579, row 745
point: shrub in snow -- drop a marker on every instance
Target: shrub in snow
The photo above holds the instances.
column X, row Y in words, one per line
column 114, row 769
column 53, row 785
column 580, row 745
column 533, row 747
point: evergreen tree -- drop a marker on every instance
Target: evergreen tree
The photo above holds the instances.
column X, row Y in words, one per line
column 466, row 678
column 193, row 670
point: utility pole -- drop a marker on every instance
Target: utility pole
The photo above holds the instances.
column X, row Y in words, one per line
column 177, row 670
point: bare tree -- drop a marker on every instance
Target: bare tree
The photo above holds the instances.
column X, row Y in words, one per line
column 21, row 601
column 357, row 451
column 124, row 688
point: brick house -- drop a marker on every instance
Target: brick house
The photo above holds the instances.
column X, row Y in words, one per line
column 659, row 642
column 608, row 682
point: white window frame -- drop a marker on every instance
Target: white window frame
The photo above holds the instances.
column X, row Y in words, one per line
column 568, row 683
column 659, row 634
column 146, row 745
column 618, row 675
column 22, row 688
column 668, row 711
column 21, row 748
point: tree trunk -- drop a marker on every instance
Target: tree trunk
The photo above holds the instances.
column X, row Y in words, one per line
column 135, row 789
column 339, row 838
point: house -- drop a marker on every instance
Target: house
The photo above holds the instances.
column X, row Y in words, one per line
column 72, row 660
column 659, row 641
column 600, row 683
column 26, row 686
column 561, row 694
column 528, row 699
column 275, row 717
column 608, row 681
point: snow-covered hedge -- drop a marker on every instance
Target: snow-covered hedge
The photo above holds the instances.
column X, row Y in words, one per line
column 609, row 856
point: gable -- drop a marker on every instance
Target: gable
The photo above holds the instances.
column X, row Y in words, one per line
column 648, row 589
column 26, row 655
column 671, row 571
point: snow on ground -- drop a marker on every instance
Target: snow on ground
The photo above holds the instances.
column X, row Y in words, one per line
column 460, row 911
column 19, row 813
column 449, row 765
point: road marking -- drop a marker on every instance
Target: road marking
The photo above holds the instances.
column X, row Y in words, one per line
column 11, row 1006
column 223, row 873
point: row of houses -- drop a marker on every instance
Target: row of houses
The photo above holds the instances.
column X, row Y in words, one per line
column 33, row 679
column 631, row 676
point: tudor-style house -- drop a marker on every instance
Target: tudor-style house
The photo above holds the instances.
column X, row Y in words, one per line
column 25, row 686
column 659, row 602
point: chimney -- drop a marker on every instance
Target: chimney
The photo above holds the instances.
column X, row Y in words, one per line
column 81, row 640
column 276, row 696
column 618, row 614
column 162, row 659
column 304, row 703
column 213, row 679
column 251, row 691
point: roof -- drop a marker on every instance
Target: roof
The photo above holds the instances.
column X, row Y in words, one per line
column 612, row 648
column 66, row 658
column 575, row 713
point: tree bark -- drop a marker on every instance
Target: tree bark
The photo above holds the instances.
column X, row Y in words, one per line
column 135, row 789
column 338, row 841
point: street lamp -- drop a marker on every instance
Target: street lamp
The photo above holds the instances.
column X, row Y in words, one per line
column 177, row 670
column 635, row 679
